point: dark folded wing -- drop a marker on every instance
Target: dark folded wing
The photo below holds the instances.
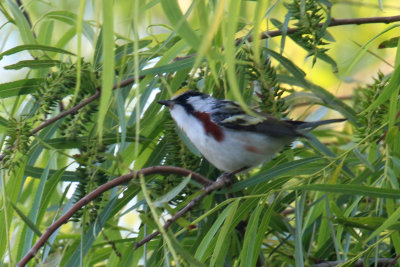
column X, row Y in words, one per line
column 232, row 116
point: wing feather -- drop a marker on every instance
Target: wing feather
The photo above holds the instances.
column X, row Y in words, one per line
column 230, row 115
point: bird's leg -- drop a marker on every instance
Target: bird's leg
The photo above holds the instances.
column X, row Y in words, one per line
column 229, row 177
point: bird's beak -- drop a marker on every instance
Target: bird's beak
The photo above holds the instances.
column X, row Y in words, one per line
column 167, row 103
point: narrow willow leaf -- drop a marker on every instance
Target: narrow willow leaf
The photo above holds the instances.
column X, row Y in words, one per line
column 12, row 187
column 271, row 173
column 264, row 224
column 188, row 257
column 20, row 48
column 298, row 237
column 33, row 64
column 20, row 87
column 288, row 64
column 22, row 24
column 393, row 218
column 127, row 49
column 218, row 256
column 178, row 21
column 35, row 172
column 49, row 190
column 351, row 189
column 3, row 122
column 161, row 201
column 71, row 19
column 34, row 211
column 168, row 68
column 108, row 64
column 230, row 53
column 91, row 234
column 201, row 249
column 27, row 221
column 333, row 101
column 247, row 253
column 46, row 32
column 108, row 139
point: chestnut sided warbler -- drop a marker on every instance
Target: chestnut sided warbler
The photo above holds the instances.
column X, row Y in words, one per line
column 227, row 136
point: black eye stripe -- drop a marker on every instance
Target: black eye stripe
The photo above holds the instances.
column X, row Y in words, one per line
column 182, row 100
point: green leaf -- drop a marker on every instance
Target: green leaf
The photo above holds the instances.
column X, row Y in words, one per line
column 91, row 234
column 168, row 68
column 12, row 187
column 22, row 24
column 392, row 86
column 250, row 236
column 26, row 220
column 33, row 64
column 108, row 64
column 391, row 43
column 48, row 192
column 3, row 122
column 161, row 201
column 271, row 173
column 205, row 243
column 35, row 172
column 218, row 256
column 298, row 237
column 20, row 48
column 127, row 49
column 184, row 253
column 288, row 64
column 34, row 211
column 178, row 21
column 351, row 189
column 20, row 87
column 333, row 101
column 71, row 19
column 77, row 142
column 394, row 217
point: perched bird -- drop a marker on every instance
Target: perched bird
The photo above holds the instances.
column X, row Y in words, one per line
column 227, row 136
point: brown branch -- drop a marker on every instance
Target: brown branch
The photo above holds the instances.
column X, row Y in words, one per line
column 75, row 109
column 100, row 190
column 222, row 181
column 83, row 103
column 333, row 23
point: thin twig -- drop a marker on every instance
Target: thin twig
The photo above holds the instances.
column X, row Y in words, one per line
column 222, row 181
column 100, row 190
column 333, row 23
column 75, row 109
column 83, row 103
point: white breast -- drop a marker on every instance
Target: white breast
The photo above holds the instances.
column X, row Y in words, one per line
column 238, row 149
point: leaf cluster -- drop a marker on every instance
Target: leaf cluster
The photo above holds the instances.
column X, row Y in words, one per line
column 308, row 16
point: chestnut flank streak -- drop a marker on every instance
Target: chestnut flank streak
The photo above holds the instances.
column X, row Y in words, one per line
column 209, row 126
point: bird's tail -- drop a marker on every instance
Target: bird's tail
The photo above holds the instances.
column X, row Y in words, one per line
column 300, row 125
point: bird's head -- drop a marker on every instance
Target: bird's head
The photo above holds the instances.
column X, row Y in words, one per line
column 190, row 101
